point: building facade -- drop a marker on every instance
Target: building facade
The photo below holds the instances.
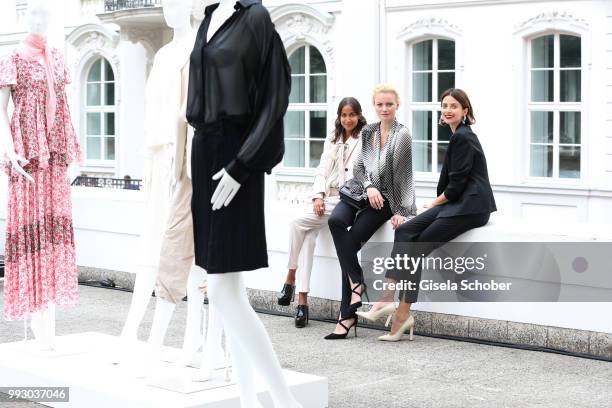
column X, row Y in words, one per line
column 539, row 74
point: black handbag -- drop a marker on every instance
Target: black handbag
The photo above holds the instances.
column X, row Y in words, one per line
column 352, row 193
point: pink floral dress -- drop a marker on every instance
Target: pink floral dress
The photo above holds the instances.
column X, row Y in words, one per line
column 39, row 249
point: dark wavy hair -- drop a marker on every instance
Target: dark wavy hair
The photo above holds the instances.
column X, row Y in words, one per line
column 463, row 100
column 361, row 122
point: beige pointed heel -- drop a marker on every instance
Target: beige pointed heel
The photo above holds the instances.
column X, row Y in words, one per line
column 373, row 316
column 407, row 325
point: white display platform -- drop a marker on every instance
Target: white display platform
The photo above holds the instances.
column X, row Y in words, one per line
column 95, row 382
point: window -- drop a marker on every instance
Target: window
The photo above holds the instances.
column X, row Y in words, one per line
column 554, row 108
column 432, row 72
column 100, row 113
column 306, row 118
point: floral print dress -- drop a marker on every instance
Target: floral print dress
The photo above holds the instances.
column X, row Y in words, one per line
column 39, row 249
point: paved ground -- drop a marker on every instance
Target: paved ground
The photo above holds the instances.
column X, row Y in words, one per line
column 363, row 372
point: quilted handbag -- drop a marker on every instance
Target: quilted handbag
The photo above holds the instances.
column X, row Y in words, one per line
column 352, row 193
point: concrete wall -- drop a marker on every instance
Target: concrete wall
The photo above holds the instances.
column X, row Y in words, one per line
column 108, row 223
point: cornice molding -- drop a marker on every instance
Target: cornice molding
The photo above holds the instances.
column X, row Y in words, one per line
column 427, row 27
column 298, row 24
column 299, row 12
column 93, row 32
column 551, row 20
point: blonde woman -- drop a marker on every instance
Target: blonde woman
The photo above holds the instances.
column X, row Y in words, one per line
column 384, row 168
column 335, row 167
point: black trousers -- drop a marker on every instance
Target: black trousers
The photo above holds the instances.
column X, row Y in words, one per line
column 424, row 233
column 348, row 242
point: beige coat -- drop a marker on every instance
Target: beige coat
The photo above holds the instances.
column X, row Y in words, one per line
column 330, row 174
column 167, row 146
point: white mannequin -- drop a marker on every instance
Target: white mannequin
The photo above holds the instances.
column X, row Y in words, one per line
column 249, row 344
column 37, row 19
column 177, row 14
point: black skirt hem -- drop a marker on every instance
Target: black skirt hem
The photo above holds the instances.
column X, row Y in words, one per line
column 234, row 268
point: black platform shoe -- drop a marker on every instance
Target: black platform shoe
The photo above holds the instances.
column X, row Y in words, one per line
column 301, row 316
column 285, row 297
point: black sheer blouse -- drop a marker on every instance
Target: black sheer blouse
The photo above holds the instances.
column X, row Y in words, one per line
column 242, row 72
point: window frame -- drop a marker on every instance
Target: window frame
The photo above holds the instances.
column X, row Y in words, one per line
column 101, row 110
column 433, row 106
column 307, row 108
column 556, row 107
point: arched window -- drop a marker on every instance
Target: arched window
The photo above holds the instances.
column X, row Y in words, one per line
column 100, row 146
column 555, row 108
column 432, row 71
column 306, row 118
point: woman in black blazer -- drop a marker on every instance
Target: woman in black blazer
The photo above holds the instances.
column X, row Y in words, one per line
column 464, row 201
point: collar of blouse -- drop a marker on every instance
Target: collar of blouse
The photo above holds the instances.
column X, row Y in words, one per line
column 239, row 4
column 392, row 131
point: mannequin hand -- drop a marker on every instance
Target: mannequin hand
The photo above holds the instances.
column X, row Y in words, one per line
column 225, row 191
column 15, row 159
column 397, row 220
column 318, row 206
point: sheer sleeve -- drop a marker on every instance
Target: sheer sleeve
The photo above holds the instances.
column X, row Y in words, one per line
column 195, row 106
column 8, row 71
column 264, row 144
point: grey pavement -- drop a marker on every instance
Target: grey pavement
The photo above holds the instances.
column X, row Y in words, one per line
column 363, row 372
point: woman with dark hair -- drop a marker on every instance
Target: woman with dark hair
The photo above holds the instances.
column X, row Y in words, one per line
column 335, row 167
column 384, row 171
column 464, row 201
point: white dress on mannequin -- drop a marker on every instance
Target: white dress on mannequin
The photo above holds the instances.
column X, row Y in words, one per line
column 168, row 188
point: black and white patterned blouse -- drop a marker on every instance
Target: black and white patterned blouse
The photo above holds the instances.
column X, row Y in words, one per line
column 388, row 169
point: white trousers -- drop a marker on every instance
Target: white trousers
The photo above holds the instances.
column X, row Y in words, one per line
column 303, row 233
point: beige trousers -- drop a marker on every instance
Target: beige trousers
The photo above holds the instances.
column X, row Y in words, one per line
column 303, row 233
column 177, row 253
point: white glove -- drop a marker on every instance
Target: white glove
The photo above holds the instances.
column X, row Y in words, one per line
column 225, row 191
column 15, row 159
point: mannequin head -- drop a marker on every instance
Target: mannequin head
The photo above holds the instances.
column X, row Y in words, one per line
column 37, row 16
column 177, row 13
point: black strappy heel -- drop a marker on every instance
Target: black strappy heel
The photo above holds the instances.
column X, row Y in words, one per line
column 336, row 336
column 354, row 306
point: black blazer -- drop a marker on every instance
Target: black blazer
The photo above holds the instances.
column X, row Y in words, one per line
column 464, row 178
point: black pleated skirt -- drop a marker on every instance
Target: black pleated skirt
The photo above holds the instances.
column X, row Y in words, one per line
column 233, row 238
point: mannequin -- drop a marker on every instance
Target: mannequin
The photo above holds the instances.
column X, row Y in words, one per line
column 51, row 153
column 168, row 179
column 238, row 137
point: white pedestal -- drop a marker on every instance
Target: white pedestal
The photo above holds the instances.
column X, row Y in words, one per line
column 96, row 383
